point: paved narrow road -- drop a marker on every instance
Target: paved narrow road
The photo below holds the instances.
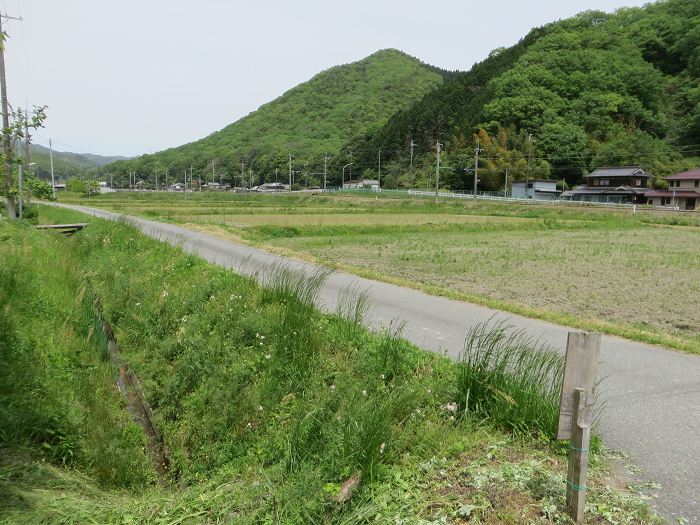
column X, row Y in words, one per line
column 652, row 394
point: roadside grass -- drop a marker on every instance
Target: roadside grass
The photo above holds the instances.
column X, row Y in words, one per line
column 56, row 385
column 590, row 268
column 268, row 406
column 510, row 379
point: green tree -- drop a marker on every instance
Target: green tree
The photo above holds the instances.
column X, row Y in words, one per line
column 20, row 122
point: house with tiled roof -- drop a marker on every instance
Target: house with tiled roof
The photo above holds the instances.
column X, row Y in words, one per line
column 683, row 191
column 622, row 185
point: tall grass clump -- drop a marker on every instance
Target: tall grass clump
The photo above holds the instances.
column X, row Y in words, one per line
column 294, row 337
column 351, row 309
column 510, row 379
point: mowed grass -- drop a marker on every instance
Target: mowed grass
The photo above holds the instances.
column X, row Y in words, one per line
column 635, row 275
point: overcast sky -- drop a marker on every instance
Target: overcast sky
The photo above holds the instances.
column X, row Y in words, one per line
column 135, row 76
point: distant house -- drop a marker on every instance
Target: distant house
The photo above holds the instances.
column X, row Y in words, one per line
column 59, row 187
column 683, row 191
column 104, row 188
column 211, row 186
column 367, row 184
column 175, row 187
column 270, row 187
column 624, row 184
column 537, row 189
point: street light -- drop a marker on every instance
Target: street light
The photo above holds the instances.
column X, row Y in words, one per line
column 348, row 164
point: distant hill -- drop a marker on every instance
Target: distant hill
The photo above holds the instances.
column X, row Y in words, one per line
column 66, row 164
column 318, row 116
column 596, row 89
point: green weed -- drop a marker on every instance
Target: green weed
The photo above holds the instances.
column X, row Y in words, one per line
column 510, row 379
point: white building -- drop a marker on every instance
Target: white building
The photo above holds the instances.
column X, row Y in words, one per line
column 537, row 189
column 365, row 184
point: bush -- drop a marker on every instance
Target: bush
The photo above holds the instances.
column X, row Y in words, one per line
column 31, row 214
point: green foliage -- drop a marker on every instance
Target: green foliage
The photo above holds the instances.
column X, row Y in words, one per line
column 39, row 188
column 66, row 164
column 594, row 89
column 311, row 119
column 76, row 185
column 57, row 390
column 86, row 187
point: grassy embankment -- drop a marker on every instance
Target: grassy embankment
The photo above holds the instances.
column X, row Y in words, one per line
column 267, row 406
column 591, row 268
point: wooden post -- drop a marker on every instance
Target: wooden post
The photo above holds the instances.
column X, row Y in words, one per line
column 576, row 414
column 577, row 476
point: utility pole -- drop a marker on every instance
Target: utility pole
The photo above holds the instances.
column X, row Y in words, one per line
column 53, row 181
column 242, row 166
column 412, row 145
column 379, row 160
column 277, row 174
column 350, row 165
column 166, row 179
column 27, row 155
column 19, row 177
column 505, row 186
column 7, row 147
column 325, row 171
column 476, row 166
column 213, row 171
column 290, row 171
column 529, row 159
column 437, row 169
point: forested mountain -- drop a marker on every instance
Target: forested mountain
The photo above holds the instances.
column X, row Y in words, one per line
column 65, row 163
column 336, row 106
column 596, row 89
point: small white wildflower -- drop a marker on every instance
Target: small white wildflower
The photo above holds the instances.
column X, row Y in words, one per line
column 138, row 304
column 164, row 294
column 332, row 387
column 452, row 418
column 249, row 425
column 364, row 392
column 382, row 376
column 268, row 356
column 450, row 407
column 381, row 448
column 260, row 408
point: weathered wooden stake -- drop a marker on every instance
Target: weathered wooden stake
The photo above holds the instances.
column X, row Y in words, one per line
column 577, row 476
column 576, row 414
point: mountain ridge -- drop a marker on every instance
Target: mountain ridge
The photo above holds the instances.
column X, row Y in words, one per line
column 310, row 119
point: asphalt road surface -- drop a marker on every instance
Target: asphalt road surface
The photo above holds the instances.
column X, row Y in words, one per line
column 652, row 394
